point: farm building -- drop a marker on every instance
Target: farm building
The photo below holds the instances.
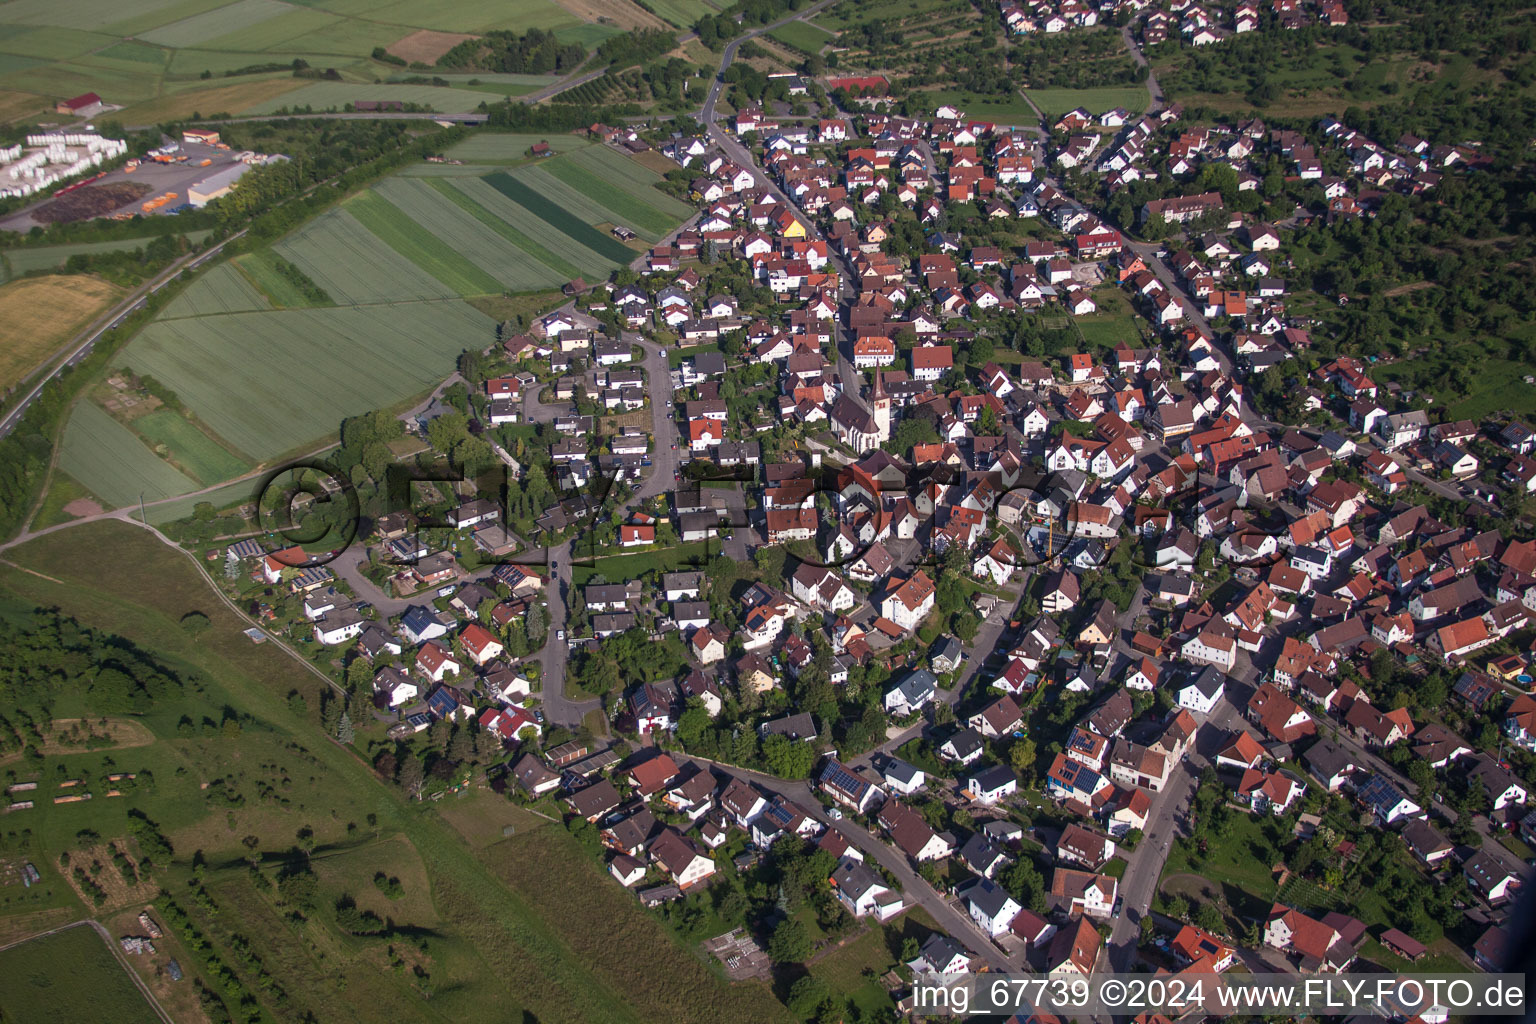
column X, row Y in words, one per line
column 87, row 104
column 200, row 136
column 215, row 185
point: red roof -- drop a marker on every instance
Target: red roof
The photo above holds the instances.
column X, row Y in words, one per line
column 933, row 357
column 85, row 99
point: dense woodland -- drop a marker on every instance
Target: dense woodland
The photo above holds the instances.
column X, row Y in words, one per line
column 47, row 659
column 535, row 52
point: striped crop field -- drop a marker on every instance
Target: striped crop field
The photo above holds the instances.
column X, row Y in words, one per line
column 349, row 262
column 113, row 463
column 535, row 200
column 477, row 240
column 566, row 248
column 416, row 243
column 271, row 382
column 243, row 15
column 224, row 289
column 628, row 171
column 450, row 190
column 624, row 204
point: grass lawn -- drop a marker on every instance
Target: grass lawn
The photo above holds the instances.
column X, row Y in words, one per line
column 68, row 976
column 802, row 35
column 843, row 969
column 1055, row 102
column 620, row 567
column 1010, row 109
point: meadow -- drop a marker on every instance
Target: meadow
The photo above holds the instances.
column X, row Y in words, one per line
column 1011, row 109
column 39, row 314
column 524, row 928
column 70, row 975
column 683, row 13
column 113, row 463
column 336, row 95
column 503, row 148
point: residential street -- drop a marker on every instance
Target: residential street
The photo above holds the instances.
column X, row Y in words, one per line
column 956, row 922
column 1165, row 822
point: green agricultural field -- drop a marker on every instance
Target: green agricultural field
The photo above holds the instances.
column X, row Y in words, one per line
column 563, row 246
column 479, row 241
column 621, row 206
column 191, row 449
column 71, row 975
column 560, row 271
column 530, row 193
column 410, row 239
column 258, row 272
column 242, row 15
column 1055, row 102
column 353, row 266
column 113, row 463
column 272, row 382
column 43, row 43
column 802, row 35
column 682, row 13
column 224, row 289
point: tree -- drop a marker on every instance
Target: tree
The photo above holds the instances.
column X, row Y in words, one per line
column 1178, row 907
column 1021, row 757
column 787, row 758
column 1209, row 918
column 344, row 729
column 790, row 943
column 411, row 775
column 806, row 996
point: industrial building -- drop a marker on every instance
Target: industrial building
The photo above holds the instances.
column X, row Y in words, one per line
column 215, row 185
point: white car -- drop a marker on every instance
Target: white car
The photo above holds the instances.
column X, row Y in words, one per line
column 560, row 635
column 834, row 813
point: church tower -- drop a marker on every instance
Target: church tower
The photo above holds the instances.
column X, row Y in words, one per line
column 882, row 407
